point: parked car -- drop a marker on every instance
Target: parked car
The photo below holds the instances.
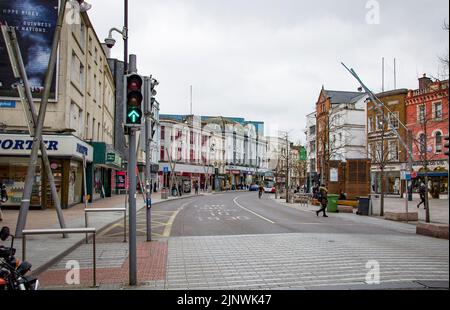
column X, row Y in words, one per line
column 254, row 188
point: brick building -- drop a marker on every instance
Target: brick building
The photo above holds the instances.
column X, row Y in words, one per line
column 427, row 119
column 392, row 153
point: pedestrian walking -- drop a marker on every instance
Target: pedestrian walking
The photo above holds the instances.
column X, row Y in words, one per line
column 196, row 188
column 3, row 198
column 422, row 192
column 323, row 199
column 180, row 190
column 260, row 191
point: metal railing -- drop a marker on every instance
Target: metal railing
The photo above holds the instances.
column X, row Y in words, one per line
column 305, row 199
column 99, row 210
column 35, row 232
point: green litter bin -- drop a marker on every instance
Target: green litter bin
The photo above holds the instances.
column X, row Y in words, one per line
column 333, row 203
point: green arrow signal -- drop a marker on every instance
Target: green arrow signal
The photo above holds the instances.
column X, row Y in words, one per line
column 134, row 116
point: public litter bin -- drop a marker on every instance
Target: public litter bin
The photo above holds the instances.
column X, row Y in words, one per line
column 333, row 203
column 363, row 206
column 164, row 194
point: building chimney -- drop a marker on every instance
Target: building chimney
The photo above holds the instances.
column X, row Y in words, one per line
column 424, row 82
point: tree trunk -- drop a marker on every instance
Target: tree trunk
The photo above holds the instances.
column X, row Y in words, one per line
column 383, row 189
column 427, row 201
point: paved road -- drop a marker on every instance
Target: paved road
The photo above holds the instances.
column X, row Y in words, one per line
column 236, row 241
column 245, row 214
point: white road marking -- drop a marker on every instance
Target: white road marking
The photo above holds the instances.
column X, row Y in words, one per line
column 254, row 213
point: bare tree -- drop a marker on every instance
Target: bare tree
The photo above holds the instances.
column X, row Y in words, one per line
column 381, row 155
column 445, row 59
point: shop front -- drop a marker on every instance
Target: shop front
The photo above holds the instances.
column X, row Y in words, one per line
column 66, row 155
column 187, row 175
column 437, row 174
column 393, row 182
column 106, row 176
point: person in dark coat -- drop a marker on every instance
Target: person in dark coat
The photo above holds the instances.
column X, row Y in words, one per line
column 3, row 198
column 196, row 188
column 323, row 199
column 422, row 192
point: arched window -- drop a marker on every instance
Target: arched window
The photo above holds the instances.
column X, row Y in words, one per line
column 438, row 142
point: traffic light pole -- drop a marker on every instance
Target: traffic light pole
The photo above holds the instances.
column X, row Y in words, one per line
column 132, row 161
column 132, row 208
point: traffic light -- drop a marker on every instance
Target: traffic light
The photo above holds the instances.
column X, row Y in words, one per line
column 134, row 98
column 446, row 146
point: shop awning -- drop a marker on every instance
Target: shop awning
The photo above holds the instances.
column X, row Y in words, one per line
column 105, row 155
column 434, row 174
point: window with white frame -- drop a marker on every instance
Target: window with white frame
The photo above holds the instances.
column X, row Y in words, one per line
column 438, row 142
column 437, row 110
column 422, row 143
column 421, row 113
column 380, row 122
column 393, row 120
column 379, row 151
column 370, row 124
column 393, row 150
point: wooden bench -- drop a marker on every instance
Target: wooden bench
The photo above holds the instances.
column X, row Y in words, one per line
column 351, row 203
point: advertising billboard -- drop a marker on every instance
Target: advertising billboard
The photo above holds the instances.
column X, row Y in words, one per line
column 34, row 22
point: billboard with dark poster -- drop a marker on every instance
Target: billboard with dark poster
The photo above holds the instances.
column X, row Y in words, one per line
column 34, row 22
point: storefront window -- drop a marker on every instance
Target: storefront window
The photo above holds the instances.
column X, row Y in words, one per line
column 57, row 170
column 75, row 182
column 13, row 171
column 98, row 184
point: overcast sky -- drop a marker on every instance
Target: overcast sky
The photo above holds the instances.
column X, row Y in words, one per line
column 267, row 60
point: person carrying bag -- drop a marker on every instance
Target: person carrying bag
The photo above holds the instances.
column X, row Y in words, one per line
column 323, row 199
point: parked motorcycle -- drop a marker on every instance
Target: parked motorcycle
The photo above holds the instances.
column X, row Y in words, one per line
column 13, row 271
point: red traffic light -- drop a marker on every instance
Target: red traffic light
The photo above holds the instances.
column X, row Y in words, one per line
column 134, row 83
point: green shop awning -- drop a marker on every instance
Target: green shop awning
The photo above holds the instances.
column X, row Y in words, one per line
column 105, row 155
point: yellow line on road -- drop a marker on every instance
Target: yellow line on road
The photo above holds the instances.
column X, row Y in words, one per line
column 169, row 224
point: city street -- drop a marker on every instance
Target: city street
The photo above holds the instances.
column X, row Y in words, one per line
column 236, row 241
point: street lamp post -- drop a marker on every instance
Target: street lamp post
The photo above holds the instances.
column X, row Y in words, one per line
column 110, row 42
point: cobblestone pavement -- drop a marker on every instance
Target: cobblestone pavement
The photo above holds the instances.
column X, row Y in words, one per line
column 317, row 256
column 300, row 260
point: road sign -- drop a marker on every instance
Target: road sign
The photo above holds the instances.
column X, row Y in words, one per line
column 166, row 169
